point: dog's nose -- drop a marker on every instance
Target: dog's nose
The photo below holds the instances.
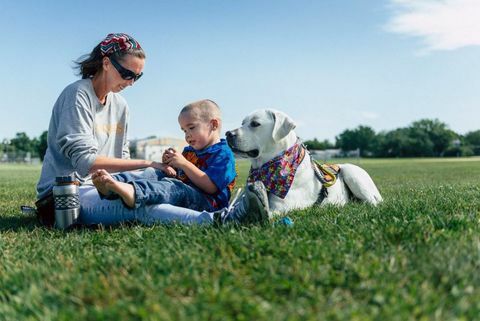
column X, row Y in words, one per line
column 230, row 138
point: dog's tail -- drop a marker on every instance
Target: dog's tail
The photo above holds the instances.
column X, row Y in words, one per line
column 360, row 184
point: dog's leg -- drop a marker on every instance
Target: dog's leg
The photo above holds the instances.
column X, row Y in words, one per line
column 360, row 184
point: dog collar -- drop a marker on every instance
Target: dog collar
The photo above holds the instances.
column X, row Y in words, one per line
column 278, row 173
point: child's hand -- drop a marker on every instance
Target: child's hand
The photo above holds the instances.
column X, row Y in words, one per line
column 168, row 170
column 164, row 156
column 174, row 158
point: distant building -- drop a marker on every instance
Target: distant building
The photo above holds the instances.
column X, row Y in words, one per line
column 326, row 154
column 334, row 153
column 153, row 148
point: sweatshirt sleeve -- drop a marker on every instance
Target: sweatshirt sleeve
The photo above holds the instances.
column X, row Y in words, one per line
column 126, row 142
column 75, row 134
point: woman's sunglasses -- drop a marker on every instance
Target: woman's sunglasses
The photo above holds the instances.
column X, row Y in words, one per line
column 124, row 72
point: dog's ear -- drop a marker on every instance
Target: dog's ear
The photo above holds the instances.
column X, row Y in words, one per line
column 283, row 125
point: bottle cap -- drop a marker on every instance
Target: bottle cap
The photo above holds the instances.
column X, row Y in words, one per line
column 65, row 179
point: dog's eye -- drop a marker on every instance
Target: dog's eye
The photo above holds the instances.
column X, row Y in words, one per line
column 254, row 124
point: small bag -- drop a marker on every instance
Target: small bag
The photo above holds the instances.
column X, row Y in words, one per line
column 46, row 210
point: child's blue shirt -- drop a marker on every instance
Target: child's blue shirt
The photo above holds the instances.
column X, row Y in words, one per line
column 218, row 162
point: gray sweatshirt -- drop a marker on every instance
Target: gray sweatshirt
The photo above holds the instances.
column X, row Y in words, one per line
column 80, row 129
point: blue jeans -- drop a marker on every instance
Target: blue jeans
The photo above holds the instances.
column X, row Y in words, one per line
column 153, row 187
column 95, row 210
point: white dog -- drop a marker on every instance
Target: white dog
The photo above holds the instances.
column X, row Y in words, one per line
column 292, row 179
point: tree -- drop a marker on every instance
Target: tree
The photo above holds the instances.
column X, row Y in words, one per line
column 21, row 143
column 41, row 147
column 394, row 143
column 6, row 147
column 317, row 145
column 422, row 138
column 438, row 133
column 472, row 140
column 419, row 143
column 133, row 150
column 362, row 137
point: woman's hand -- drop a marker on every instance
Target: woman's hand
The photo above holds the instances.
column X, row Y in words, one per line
column 168, row 170
column 174, row 158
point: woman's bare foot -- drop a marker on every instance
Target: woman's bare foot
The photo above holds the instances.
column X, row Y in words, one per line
column 105, row 184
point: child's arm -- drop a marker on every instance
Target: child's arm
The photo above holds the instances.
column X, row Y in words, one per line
column 199, row 178
column 196, row 175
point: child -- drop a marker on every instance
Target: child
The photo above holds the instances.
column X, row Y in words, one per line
column 205, row 171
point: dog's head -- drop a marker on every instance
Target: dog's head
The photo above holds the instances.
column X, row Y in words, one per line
column 263, row 133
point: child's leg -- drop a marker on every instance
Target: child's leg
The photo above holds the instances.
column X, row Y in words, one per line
column 149, row 173
column 97, row 211
column 143, row 192
column 169, row 191
column 251, row 207
column 106, row 184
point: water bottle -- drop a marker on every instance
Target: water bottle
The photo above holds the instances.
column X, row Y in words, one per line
column 67, row 201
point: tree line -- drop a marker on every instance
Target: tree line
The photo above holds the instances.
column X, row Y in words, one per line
column 22, row 144
column 423, row 138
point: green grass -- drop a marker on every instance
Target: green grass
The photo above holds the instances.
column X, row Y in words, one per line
column 416, row 256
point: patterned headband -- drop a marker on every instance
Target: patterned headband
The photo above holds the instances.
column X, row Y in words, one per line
column 116, row 42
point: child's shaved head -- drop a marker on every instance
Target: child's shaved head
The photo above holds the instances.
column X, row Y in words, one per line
column 205, row 110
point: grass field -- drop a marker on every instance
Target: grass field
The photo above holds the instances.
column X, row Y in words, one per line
column 415, row 257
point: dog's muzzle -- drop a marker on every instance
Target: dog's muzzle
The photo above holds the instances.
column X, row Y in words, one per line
column 232, row 142
column 230, row 139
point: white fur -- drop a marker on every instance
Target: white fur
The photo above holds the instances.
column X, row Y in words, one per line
column 270, row 132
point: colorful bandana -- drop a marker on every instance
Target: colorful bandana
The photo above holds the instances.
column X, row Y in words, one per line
column 116, row 42
column 277, row 174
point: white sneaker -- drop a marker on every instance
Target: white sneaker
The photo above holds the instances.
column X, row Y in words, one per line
column 251, row 207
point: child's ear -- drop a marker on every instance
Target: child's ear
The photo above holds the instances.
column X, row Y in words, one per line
column 215, row 124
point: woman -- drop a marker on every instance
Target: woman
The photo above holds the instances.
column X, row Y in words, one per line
column 88, row 131
column 88, row 126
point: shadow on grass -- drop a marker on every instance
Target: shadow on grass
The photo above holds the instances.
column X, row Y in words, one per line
column 18, row 223
column 23, row 223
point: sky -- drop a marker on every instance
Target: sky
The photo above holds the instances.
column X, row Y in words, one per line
column 329, row 64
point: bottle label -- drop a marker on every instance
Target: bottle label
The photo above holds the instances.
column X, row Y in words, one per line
column 66, row 202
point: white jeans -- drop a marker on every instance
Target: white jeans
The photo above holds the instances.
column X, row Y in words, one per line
column 94, row 210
